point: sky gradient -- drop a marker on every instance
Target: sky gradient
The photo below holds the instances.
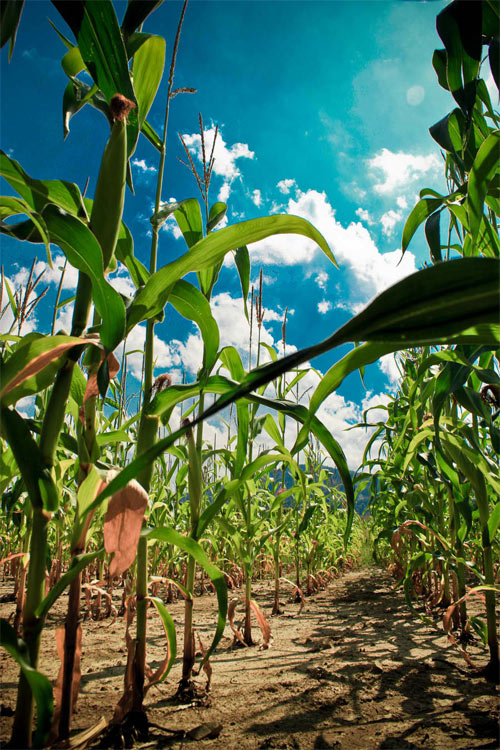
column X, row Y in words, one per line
column 323, row 111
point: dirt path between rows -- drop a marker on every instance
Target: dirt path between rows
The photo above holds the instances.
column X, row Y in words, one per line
column 355, row 670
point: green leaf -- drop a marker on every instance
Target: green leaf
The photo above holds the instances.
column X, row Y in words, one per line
column 206, row 252
column 151, row 135
column 41, row 488
column 169, row 627
column 83, row 252
column 149, row 61
column 77, row 564
column 39, row 684
column 124, row 252
column 101, row 45
column 242, row 261
column 432, row 235
column 450, row 131
column 76, row 95
column 484, row 168
column 191, row 304
column 439, row 65
column 494, row 521
column 39, row 193
column 169, row 536
column 33, row 365
column 10, row 15
column 216, row 214
column 72, row 62
column 10, row 206
column 424, row 208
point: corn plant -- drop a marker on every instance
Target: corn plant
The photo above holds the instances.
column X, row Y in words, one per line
column 437, row 472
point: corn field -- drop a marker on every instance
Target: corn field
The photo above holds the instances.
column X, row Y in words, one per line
column 114, row 507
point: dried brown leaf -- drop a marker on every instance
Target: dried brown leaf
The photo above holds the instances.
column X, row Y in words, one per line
column 207, row 667
column 92, row 388
column 39, row 363
column 77, row 674
column 263, row 623
column 122, row 526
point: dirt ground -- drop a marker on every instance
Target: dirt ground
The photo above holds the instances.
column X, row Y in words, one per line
column 355, row 670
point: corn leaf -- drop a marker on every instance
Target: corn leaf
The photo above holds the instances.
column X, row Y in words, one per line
column 207, row 252
column 189, row 545
column 39, row 684
column 84, row 252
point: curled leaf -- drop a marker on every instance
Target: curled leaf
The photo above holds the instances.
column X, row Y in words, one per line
column 263, row 623
column 122, row 525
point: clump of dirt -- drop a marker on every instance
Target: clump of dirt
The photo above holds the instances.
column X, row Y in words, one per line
column 355, row 670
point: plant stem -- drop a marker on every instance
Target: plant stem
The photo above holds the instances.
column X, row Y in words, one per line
column 148, row 426
column 32, row 628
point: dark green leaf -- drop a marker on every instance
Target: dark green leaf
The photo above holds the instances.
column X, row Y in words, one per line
column 39, row 684
column 39, row 193
column 433, row 237
column 494, row 55
column 242, row 260
column 83, row 252
column 38, row 480
column 10, row 15
column 136, row 13
column 483, row 170
column 216, row 214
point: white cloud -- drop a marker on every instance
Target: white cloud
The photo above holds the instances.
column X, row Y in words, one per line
column 321, row 279
column 402, row 202
column 256, row 197
column 50, row 275
column 388, row 365
column 224, row 156
column 389, row 221
column 365, row 216
column 224, row 191
column 122, row 283
column 284, row 186
column 353, row 247
column 324, row 306
column 395, row 171
column 338, row 415
column 143, row 166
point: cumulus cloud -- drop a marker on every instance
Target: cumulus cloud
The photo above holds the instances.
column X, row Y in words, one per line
column 321, row 279
column 324, row 306
column 396, row 171
column 50, row 275
column 224, row 191
column 355, row 250
column 225, row 156
column 284, row 186
column 142, row 166
column 338, row 414
column 256, row 197
column 389, row 221
column 388, row 366
column 365, row 216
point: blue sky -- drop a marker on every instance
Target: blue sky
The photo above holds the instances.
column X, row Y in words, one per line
column 323, row 111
